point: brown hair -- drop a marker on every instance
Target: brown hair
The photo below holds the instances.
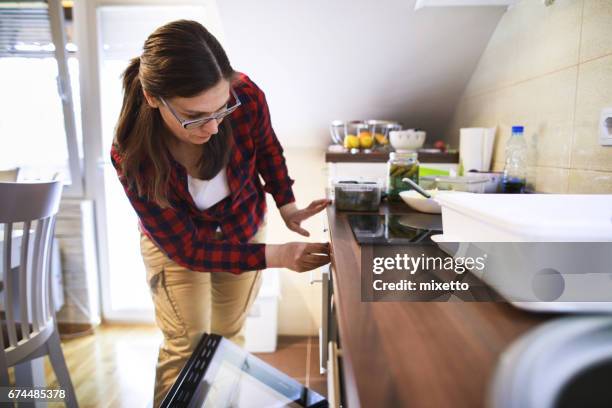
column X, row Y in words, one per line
column 182, row 59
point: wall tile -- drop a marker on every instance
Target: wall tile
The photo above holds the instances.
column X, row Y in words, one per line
column 530, row 40
column 594, row 93
column 589, row 182
column 515, row 106
column 554, row 99
column 497, row 166
column 529, row 75
column 550, row 36
column 475, row 111
column 551, row 180
column 596, row 29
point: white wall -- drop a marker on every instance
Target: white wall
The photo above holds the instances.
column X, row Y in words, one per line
column 355, row 59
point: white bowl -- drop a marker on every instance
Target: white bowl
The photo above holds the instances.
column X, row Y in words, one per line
column 408, row 139
column 420, row 203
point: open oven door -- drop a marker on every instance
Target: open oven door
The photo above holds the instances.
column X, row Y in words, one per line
column 221, row 374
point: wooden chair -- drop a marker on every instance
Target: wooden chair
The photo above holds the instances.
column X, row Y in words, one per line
column 28, row 326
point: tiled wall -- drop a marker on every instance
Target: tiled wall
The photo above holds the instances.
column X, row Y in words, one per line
column 549, row 69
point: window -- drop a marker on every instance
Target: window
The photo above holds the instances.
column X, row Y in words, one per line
column 39, row 133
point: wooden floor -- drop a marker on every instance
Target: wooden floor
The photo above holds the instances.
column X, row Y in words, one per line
column 115, row 367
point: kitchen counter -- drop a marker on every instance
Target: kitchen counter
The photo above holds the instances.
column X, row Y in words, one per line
column 382, row 157
column 415, row 354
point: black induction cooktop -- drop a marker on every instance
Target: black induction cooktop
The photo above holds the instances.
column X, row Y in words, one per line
column 395, row 229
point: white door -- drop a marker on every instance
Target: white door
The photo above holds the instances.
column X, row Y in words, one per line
column 121, row 31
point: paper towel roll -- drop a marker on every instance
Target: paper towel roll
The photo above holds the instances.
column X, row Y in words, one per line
column 476, row 148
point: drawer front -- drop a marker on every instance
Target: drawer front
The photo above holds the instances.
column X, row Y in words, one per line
column 325, row 314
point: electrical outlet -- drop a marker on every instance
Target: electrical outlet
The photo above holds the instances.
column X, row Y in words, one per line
column 605, row 127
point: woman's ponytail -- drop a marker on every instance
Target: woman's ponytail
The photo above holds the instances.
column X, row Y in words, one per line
column 133, row 98
column 135, row 136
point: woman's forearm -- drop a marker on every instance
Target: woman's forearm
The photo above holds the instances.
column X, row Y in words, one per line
column 273, row 258
column 288, row 209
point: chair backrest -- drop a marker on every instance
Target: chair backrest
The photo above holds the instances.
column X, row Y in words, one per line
column 27, row 215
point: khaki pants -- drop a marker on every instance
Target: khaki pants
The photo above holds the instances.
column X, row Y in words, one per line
column 189, row 303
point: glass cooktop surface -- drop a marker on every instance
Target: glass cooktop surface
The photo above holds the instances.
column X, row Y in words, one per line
column 395, row 229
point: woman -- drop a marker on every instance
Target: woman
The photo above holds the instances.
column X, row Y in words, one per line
column 193, row 137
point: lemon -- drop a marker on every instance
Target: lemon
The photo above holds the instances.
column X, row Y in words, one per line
column 366, row 141
column 351, row 141
column 381, row 139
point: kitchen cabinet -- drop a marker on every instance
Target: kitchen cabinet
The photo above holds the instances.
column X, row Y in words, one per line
column 414, row 354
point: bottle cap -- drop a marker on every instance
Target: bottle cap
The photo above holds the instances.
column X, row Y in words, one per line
column 517, row 129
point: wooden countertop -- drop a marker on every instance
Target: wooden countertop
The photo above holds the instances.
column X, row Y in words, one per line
column 382, row 157
column 417, row 354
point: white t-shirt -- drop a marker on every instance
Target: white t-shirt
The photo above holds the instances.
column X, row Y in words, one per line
column 207, row 193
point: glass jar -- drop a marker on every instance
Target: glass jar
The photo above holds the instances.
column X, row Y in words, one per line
column 380, row 130
column 401, row 165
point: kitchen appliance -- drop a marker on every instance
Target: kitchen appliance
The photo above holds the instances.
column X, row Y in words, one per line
column 377, row 129
column 221, row 374
column 394, row 229
column 339, row 129
column 476, row 148
column 380, row 129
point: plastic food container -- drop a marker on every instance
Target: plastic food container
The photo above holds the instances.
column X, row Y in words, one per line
column 471, row 184
column 494, row 179
column 357, row 195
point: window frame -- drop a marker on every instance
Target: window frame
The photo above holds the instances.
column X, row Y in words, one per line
column 58, row 34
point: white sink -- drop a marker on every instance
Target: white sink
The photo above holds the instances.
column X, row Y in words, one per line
column 526, row 217
column 546, row 252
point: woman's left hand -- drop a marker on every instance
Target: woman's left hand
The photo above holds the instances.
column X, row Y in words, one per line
column 293, row 216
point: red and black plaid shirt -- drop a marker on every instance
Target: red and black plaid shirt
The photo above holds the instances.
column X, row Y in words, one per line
column 187, row 234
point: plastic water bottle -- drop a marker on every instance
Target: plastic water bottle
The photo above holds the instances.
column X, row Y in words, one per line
column 515, row 170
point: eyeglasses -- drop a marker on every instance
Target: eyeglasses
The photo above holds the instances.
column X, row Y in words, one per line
column 196, row 123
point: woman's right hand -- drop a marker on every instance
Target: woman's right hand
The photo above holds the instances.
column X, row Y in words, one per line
column 297, row 256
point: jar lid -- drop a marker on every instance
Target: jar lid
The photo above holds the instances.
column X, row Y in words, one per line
column 403, row 155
